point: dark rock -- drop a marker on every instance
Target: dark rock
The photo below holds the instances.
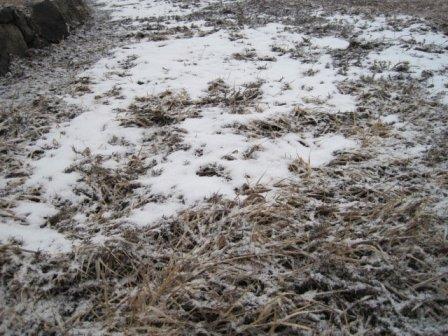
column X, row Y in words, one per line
column 25, row 26
column 12, row 40
column 83, row 10
column 4, row 60
column 50, row 22
column 39, row 43
column 6, row 15
column 74, row 12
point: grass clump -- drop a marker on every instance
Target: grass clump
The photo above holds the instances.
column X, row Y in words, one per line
column 237, row 100
column 163, row 109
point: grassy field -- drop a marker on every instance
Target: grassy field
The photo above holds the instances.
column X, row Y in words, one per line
column 345, row 236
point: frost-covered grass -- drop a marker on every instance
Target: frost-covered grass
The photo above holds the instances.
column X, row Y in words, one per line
column 237, row 169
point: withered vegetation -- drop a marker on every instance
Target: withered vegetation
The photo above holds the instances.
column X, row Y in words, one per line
column 237, row 100
column 355, row 247
column 163, row 109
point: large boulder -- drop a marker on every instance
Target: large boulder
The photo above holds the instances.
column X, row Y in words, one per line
column 4, row 60
column 12, row 39
column 54, row 18
column 74, row 12
column 23, row 23
column 49, row 20
column 11, row 15
column 11, row 42
column 6, row 15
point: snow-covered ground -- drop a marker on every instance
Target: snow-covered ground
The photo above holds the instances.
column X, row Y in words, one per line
column 228, row 167
column 187, row 65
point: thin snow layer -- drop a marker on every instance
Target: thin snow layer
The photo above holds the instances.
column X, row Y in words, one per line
column 142, row 9
column 429, row 56
column 34, row 237
column 190, row 64
column 131, row 9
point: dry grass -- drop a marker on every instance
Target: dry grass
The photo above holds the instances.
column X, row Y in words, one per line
column 237, row 100
column 22, row 124
column 163, row 109
column 170, row 108
column 435, row 11
column 213, row 169
column 104, row 187
column 106, row 194
column 251, row 269
column 356, row 247
column 299, row 121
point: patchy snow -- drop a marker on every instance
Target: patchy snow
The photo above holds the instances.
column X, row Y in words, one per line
column 418, row 60
column 190, row 64
column 330, row 42
column 144, row 9
column 146, row 68
column 34, row 237
column 390, row 119
column 131, row 9
column 92, row 129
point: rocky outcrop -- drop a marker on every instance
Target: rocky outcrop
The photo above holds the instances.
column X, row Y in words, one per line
column 25, row 26
column 6, row 15
column 50, row 21
column 4, row 61
column 12, row 41
column 74, row 12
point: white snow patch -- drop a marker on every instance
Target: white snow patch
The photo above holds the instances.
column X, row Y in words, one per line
column 190, row 64
column 390, row 119
column 31, row 233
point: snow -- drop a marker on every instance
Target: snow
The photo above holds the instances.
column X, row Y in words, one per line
column 418, row 60
column 390, row 119
column 31, row 233
column 92, row 129
column 131, row 9
column 35, row 238
column 143, row 9
column 190, row 64
column 330, row 42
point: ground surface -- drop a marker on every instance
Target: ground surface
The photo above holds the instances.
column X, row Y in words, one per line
column 223, row 167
